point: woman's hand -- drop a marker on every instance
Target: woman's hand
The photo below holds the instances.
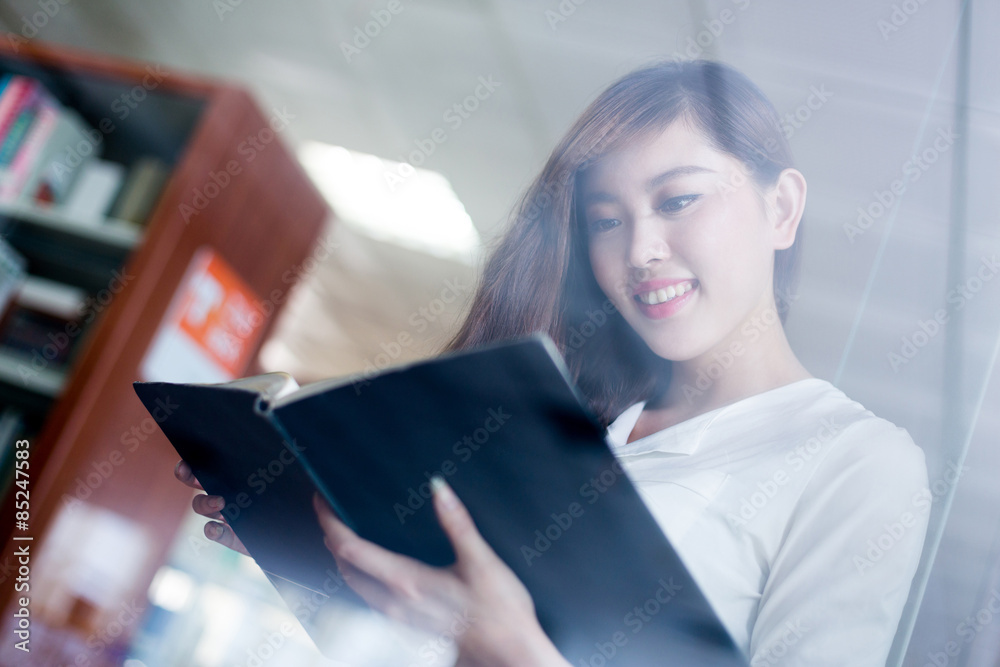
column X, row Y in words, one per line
column 211, row 508
column 478, row 600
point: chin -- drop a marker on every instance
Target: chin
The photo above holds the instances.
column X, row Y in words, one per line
column 674, row 350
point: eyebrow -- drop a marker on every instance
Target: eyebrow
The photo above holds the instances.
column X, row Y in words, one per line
column 655, row 182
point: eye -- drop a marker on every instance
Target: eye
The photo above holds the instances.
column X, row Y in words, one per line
column 603, row 225
column 676, row 204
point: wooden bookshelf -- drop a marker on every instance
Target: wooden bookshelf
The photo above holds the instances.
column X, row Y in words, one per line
column 263, row 223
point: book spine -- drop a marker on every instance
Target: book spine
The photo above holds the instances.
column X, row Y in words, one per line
column 142, row 188
column 53, row 178
column 52, row 297
column 93, row 192
column 13, row 86
column 22, row 113
column 12, row 274
column 24, row 162
column 287, row 439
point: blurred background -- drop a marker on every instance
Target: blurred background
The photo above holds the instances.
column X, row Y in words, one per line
column 319, row 181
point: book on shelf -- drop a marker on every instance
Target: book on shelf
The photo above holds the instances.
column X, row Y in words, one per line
column 141, row 190
column 15, row 174
column 15, row 89
column 90, row 198
column 27, row 117
column 45, row 318
column 11, row 428
column 21, row 116
column 50, row 176
column 507, row 428
column 12, row 274
column 48, row 159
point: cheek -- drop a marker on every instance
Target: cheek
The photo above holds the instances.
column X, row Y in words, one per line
column 730, row 246
column 607, row 271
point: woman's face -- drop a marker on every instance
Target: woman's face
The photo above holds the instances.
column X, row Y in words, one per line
column 681, row 241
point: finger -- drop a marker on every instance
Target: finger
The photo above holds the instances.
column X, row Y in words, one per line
column 470, row 547
column 399, row 573
column 371, row 590
column 224, row 535
column 183, row 472
column 208, row 506
column 424, row 615
column 337, row 534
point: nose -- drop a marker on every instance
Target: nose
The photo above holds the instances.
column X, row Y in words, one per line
column 648, row 244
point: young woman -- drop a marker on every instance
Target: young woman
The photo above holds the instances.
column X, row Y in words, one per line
column 800, row 513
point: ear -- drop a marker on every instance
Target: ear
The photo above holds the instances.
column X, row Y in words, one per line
column 788, row 201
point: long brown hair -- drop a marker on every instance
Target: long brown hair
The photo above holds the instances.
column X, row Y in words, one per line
column 538, row 276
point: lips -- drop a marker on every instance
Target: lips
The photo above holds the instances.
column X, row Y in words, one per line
column 662, row 298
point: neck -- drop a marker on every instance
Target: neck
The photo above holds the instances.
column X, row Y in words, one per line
column 755, row 358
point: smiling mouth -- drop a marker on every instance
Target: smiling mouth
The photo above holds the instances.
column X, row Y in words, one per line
column 665, row 294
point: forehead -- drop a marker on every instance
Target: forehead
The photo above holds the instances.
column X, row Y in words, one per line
column 680, row 144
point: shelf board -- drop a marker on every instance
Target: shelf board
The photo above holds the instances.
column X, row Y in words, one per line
column 46, row 381
column 111, row 232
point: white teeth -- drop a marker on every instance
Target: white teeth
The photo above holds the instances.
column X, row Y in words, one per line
column 665, row 294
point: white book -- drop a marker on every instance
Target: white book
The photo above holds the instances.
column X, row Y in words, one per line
column 52, row 170
column 94, row 191
column 54, row 298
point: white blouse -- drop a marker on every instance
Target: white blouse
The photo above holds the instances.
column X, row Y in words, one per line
column 800, row 513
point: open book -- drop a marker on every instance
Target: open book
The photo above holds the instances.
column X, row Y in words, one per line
column 507, row 429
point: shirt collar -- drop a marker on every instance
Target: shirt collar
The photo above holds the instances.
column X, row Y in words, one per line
column 684, row 438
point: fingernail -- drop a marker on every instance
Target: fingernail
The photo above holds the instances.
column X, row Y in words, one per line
column 177, row 468
column 213, row 530
column 217, row 502
column 444, row 493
